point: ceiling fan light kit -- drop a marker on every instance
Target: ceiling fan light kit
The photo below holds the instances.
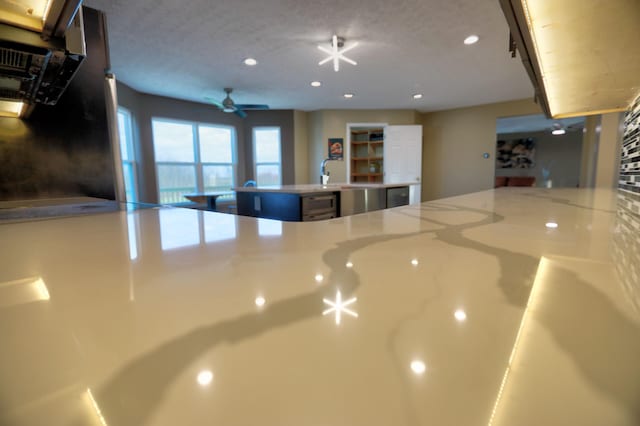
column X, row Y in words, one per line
column 228, row 105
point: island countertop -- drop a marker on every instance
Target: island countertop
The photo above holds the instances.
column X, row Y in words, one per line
column 314, row 188
column 516, row 306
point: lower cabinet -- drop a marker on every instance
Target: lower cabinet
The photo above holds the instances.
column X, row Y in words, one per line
column 288, row 207
column 321, row 205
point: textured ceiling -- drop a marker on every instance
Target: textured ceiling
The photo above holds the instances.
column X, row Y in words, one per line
column 190, row 50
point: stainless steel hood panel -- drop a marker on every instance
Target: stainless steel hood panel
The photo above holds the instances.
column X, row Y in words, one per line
column 33, row 70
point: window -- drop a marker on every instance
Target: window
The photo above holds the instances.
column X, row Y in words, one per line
column 127, row 153
column 192, row 157
column 266, row 154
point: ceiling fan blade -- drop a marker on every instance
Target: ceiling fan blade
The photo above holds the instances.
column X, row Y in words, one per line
column 251, row 106
column 240, row 113
column 214, row 102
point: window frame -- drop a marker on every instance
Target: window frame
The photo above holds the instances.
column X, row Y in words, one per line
column 234, row 154
column 267, row 163
column 197, row 163
column 131, row 153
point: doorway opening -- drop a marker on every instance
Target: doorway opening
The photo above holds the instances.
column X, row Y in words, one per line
column 532, row 150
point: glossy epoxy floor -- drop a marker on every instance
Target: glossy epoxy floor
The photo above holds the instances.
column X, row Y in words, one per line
column 474, row 310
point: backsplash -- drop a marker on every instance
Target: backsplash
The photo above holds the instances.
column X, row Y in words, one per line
column 630, row 159
column 626, row 243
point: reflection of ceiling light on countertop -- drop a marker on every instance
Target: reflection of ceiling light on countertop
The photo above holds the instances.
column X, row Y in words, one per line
column 418, row 367
column 417, row 96
column 205, row 377
column 250, row 61
column 348, row 95
column 316, row 83
column 336, row 54
column 338, row 306
column 460, row 315
column 472, row 39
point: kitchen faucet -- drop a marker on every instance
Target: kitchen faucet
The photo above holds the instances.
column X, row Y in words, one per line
column 324, row 177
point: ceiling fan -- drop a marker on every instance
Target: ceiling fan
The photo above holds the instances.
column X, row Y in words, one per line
column 227, row 104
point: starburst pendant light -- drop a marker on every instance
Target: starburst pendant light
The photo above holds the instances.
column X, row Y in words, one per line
column 336, row 53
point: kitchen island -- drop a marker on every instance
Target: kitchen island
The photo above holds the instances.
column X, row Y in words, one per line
column 515, row 306
column 301, row 203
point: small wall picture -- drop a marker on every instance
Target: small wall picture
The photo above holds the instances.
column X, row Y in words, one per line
column 336, row 148
column 516, row 154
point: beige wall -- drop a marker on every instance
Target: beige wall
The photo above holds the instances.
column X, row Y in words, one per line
column 589, row 151
column 327, row 124
column 301, row 146
column 608, row 163
column 454, row 143
column 144, row 107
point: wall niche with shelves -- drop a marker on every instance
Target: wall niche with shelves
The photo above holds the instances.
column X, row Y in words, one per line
column 366, row 153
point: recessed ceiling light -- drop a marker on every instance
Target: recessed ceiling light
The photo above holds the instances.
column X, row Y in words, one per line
column 414, row 262
column 551, row 225
column 417, row 96
column 319, row 278
column 472, row 39
column 260, row 301
column 348, row 95
column 316, row 83
column 558, row 132
column 250, row 61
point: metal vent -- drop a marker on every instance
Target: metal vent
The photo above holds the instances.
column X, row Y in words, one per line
column 6, row 93
column 13, row 59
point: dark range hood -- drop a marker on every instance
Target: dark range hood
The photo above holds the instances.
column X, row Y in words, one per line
column 36, row 67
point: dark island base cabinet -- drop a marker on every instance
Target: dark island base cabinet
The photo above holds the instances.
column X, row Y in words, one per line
column 288, row 207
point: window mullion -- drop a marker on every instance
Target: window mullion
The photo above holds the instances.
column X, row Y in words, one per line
column 198, row 161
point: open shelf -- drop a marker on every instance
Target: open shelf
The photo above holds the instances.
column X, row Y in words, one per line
column 366, row 154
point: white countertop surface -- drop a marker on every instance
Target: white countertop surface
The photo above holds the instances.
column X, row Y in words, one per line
column 312, row 188
column 470, row 311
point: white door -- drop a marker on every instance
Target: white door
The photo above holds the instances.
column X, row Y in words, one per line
column 403, row 157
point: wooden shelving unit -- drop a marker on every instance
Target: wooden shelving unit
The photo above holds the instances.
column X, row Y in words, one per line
column 367, row 155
